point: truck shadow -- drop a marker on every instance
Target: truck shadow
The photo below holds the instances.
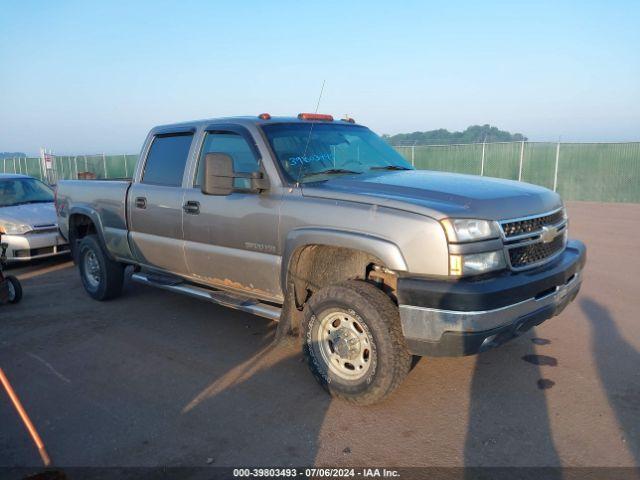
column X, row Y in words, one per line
column 508, row 421
column 250, row 402
column 617, row 363
column 250, row 406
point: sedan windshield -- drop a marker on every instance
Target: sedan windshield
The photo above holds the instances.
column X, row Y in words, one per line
column 310, row 152
column 18, row 191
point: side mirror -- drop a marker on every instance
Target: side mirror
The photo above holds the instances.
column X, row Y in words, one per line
column 219, row 176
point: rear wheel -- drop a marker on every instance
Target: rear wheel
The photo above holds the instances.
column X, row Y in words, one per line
column 14, row 288
column 101, row 277
column 353, row 342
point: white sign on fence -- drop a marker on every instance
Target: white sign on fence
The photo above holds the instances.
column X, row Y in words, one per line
column 47, row 159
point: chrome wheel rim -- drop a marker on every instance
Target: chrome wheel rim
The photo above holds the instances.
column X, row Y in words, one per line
column 345, row 344
column 92, row 272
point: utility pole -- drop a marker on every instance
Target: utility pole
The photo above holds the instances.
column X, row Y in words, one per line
column 484, row 142
column 413, row 154
column 521, row 158
column 555, row 175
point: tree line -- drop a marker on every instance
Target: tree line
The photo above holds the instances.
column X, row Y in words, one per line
column 441, row 136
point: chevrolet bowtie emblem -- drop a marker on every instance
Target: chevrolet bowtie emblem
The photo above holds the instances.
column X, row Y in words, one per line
column 548, row 234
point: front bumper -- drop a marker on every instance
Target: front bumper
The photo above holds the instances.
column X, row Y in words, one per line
column 32, row 246
column 450, row 318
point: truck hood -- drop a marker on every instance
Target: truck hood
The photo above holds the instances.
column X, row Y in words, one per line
column 439, row 194
column 34, row 214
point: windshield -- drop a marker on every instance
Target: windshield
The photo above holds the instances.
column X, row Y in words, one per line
column 311, row 152
column 18, row 191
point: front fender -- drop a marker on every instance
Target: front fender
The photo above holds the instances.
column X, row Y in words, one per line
column 388, row 253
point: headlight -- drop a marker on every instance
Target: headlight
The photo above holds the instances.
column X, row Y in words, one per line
column 468, row 230
column 476, row 263
column 14, row 228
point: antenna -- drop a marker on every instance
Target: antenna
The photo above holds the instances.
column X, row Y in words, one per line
column 304, row 154
column 320, row 96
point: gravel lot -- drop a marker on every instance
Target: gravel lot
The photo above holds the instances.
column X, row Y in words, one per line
column 154, row 378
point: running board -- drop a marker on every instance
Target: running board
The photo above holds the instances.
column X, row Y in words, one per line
column 236, row 302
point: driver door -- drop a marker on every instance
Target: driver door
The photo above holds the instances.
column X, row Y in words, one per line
column 231, row 241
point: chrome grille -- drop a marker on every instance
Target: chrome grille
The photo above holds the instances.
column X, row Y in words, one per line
column 535, row 253
column 534, row 240
column 529, row 225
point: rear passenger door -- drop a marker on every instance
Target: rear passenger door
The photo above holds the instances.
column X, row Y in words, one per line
column 155, row 203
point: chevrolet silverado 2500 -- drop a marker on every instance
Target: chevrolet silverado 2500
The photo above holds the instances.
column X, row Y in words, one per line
column 322, row 226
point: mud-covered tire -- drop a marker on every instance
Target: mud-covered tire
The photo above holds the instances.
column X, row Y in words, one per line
column 101, row 277
column 371, row 311
column 15, row 289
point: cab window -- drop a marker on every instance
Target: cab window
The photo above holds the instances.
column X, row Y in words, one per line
column 234, row 145
column 166, row 159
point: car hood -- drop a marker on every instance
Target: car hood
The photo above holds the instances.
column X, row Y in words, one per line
column 34, row 214
column 439, row 194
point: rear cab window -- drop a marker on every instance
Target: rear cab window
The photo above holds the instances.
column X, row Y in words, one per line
column 167, row 159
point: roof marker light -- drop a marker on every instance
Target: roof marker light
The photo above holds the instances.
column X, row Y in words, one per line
column 315, row 116
column 264, row 116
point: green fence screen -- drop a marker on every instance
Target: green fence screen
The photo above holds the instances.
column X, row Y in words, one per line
column 602, row 172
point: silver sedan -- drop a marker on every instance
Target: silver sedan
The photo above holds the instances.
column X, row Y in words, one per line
column 28, row 220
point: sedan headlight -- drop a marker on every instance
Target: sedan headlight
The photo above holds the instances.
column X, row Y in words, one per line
column 14, row 228
column 468, row 230
column 476, row 263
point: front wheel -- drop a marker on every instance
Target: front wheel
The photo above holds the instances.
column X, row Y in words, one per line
column 101, row 277
column 354, row 343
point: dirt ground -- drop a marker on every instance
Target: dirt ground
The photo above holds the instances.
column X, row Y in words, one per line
column 155, row 378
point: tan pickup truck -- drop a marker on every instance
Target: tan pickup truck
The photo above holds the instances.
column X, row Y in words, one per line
column 322, row 226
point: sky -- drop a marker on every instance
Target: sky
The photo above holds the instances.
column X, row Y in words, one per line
column 91, row 77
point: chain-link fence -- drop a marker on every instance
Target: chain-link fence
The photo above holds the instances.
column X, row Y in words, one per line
column 67, row 167
column 605, row 172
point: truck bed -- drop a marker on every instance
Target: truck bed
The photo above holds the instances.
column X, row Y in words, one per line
column 108, row 199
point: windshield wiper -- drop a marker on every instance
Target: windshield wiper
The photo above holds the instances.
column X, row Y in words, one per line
column 391, row 167
column 334, row 171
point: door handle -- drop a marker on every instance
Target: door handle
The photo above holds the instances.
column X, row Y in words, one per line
column 191, row 207
column 141, row 202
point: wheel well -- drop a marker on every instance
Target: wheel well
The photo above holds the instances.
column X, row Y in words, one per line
column 79, row 227
column 313, row 267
